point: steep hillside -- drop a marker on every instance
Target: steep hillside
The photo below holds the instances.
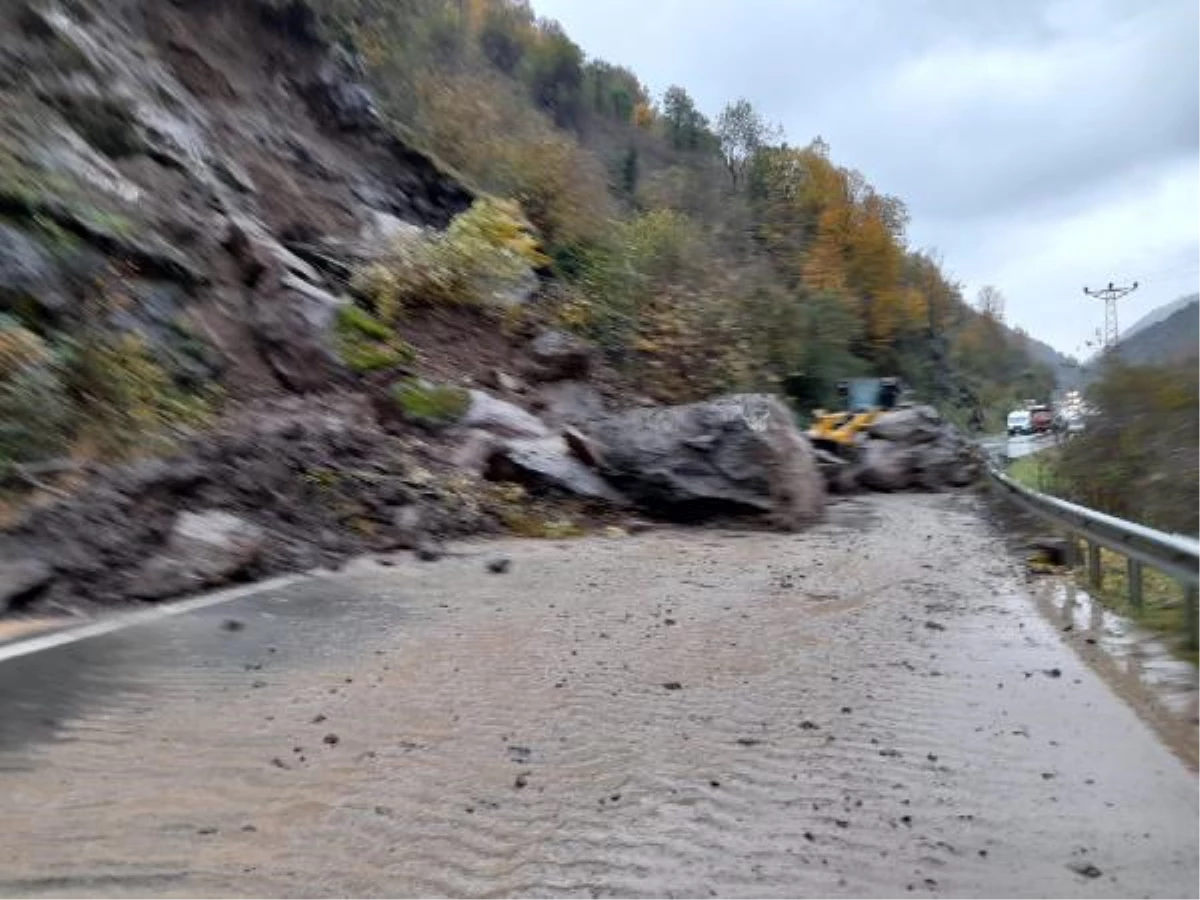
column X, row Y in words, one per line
column 1159, row 313
column 1167, row 335
column 156, row 160
column 1068, row 372
column 701, row 253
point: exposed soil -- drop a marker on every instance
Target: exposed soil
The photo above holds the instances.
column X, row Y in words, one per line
column 460, row 344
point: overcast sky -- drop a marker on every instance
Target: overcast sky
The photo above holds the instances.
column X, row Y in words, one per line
column 1040, row 145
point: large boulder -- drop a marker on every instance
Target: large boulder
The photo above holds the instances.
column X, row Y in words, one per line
column 485, row 427
column 914, row 425
column 886, row 466
column 203, row 549
column 556, row 356
column 294, row 327
column 501, row 418
column 21, row 579
column 562, row 403
column 473, row 448
column 739, row 454
column 948, row 461
column 549, row 464
column 338, row 96
column 945, row 461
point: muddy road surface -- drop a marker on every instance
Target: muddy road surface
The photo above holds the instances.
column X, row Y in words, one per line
column 872, row 708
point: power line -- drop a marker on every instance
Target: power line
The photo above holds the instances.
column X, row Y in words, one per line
column 1110, row 295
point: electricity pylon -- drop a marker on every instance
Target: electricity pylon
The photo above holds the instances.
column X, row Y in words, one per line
column 1110, row 295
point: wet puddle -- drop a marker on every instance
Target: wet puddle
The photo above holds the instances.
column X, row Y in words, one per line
column 1135, row 660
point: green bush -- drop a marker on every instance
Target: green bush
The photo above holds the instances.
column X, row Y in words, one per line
column 1139, row 457
column 430, row 405
column 367, row 345
column 489, row 248
column 125, row 403
column 35, row 415
column 34, row 406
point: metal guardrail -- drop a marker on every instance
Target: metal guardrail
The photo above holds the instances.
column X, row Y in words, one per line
column 1172, row 554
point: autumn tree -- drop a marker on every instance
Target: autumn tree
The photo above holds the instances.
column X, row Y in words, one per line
column 874, row 266
column 940, row 296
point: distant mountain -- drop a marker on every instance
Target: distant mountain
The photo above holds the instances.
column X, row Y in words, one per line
column 1168, row 334
column 1067, row 372
column 1159, row 313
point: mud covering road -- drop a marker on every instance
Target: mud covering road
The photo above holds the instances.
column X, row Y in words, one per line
column 872, row 708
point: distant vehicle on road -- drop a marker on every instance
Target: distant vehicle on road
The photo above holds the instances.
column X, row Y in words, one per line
column 1041, row 419
column 1020, row 421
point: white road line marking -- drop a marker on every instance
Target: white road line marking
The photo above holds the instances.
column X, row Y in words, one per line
column 118, row 622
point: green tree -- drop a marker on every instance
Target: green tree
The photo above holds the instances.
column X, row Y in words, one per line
column 612, row 91
column 685, row 126
column 504, row 35
column 742, row 133
column 554, row 73
column 1139, row 457
column 629, row 172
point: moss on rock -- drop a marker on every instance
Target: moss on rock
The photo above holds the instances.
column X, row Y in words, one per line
column 430, row 405
column 367, row 345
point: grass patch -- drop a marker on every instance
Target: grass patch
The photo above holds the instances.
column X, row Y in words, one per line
column 431, row 405
column 526, row 516
column 367, row 345
column 1035, row 471
column 1162, row 608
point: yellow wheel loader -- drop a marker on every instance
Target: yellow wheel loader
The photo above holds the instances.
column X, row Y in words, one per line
column 839, row 432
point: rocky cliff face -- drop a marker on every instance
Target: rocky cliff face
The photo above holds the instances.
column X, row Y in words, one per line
column 188, row 156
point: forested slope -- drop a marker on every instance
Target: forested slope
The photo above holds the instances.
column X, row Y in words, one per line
column 701, row 253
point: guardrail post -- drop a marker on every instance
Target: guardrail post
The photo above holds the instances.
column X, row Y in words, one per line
column 1071, row 557
column 1134, row 570
column 1095, row 573
column 1189, row 612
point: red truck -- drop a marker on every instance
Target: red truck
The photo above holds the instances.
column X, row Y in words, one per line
column 1042, row 419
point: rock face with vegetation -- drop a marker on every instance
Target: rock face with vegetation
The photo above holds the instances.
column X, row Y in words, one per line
column 287, row 280
column 157, row 162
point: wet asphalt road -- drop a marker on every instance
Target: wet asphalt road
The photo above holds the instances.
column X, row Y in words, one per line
column 872, row 708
